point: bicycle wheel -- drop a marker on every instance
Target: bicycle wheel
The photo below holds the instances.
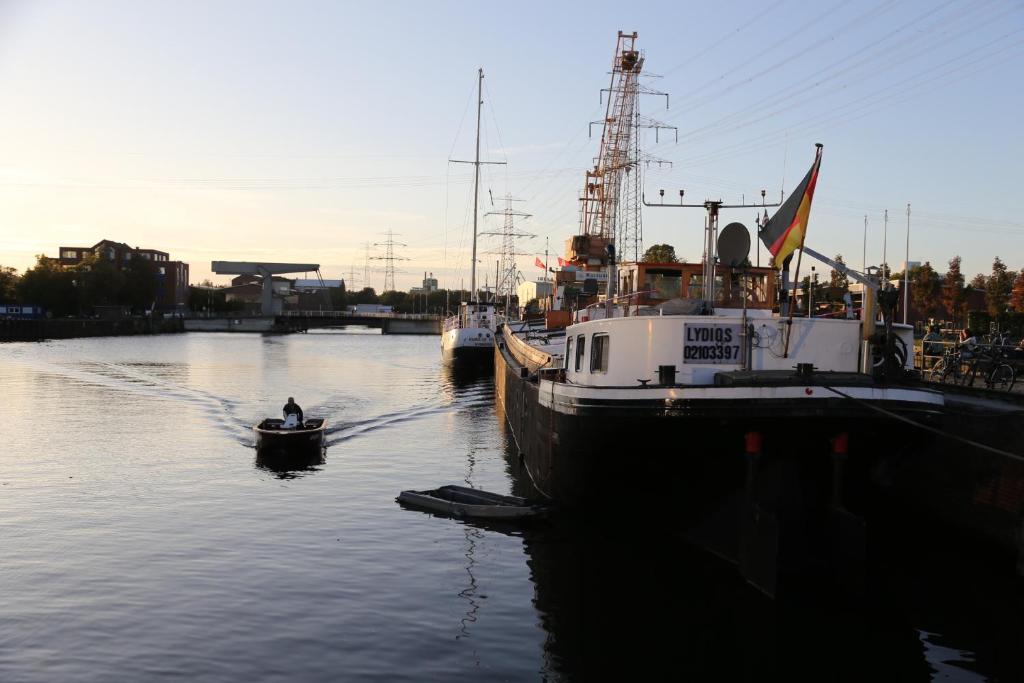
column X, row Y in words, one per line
column 1001, row 377
column 942, row 371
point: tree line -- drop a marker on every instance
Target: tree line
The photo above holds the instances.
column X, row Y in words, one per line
column 79, row 289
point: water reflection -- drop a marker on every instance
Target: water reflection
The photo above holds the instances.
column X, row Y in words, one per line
column 290, row 465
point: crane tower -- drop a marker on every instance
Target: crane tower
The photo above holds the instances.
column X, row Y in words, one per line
column 609, row 209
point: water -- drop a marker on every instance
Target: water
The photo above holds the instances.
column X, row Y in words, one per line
column 141, row 540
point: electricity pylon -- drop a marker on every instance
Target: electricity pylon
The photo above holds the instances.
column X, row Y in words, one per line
column 508, row 274
column 389, row 259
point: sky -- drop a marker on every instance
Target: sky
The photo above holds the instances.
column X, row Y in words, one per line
column 304, row 131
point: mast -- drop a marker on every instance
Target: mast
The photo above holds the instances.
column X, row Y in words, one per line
column 476, row 180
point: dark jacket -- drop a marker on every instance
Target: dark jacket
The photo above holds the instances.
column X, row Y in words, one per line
column 292, row 408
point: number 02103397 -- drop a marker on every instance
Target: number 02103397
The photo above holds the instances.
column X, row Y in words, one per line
column 709, row 343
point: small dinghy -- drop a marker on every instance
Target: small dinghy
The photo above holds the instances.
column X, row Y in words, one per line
column 467, row 503
column 290, row 436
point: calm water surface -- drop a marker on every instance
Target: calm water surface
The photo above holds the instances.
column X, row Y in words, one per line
column 142, row 540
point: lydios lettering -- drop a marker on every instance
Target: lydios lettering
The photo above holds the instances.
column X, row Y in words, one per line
column 712, row 344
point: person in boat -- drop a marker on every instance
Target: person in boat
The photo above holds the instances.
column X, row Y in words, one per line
column 292, row 408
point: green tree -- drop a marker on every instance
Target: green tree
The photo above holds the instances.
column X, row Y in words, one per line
column 98, row 282
column 48, row 285
column 661, row 253
column 836, row 277
column 926, row 289
column 979, row 281
column 367, row 295
column 998, row 288
column 399, row 301
column 8, row 284
column 139, row 289
column 954, row 296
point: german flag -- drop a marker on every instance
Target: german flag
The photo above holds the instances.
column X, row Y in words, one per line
column 785, row 231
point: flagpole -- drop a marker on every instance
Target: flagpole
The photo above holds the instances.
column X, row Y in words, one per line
column 906, row 272
column 545, row 259
column 799, row 258
column 796, row 278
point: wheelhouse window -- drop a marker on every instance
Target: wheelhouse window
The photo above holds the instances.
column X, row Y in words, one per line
column 568, row 353
column 663, row 284
column 599, row 346
column 580, row 349
column 695, row 286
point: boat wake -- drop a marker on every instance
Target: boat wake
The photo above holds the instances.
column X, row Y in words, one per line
column 234, row 418
column 221, row 412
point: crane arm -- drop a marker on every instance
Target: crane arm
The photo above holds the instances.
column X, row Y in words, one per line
column 863, row 279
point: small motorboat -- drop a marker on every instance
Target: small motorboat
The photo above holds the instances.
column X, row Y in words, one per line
column 290, row 436
column 467, row 503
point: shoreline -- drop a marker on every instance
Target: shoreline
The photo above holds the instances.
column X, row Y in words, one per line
column 42, row 329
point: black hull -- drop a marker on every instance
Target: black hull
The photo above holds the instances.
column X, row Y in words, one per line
column 687, row 463
column 273, row 441
column 572, row 457
column 470, row 356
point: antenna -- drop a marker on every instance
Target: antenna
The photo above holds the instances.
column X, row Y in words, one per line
column 389, row 259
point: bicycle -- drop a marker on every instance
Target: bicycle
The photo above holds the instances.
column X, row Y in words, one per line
column 948, row 368
column 1001, row 375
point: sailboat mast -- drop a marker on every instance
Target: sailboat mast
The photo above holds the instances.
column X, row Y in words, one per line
column 476, row 181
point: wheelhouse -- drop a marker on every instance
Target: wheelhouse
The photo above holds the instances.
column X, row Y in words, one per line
column 649, row 284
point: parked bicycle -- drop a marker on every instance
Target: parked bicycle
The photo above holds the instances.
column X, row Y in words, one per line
column 990, row 363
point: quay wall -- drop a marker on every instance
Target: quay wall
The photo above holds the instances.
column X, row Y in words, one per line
column 70, row 328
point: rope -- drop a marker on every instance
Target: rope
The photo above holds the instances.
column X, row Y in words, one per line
column 927, row 428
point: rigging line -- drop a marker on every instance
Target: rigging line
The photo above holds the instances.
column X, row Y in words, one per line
column 709, row 130
column 497, row 130
column 718, row 41
column 465, row 109
column 705, row 99
column 558, row 155
column 927, row 428
column 759, row 55
column 822, row 79
column 820, row 74
column 444, row 219
column 860, row 107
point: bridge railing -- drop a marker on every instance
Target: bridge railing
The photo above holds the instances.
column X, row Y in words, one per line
column 354, row 314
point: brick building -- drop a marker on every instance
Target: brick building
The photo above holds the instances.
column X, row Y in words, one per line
column 172, row 276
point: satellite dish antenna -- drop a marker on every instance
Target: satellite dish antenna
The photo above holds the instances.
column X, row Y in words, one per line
column 733, row 245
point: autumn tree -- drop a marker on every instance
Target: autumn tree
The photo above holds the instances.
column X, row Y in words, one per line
column 1017, row 295
column 979, row 281
column 998, row 288
column 926, row 289
column 954, row 297
column 660, row 253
